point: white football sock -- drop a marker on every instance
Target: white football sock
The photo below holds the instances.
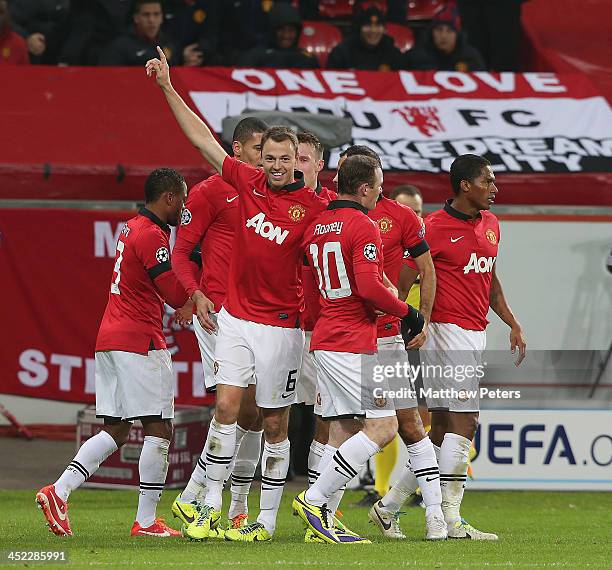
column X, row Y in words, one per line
column 247, row 459
column 274, row 467
column 334, row 501
column 87, row 460
column 425, row 468
column 314, row 458
column 328, row 455
column 348, row 460
column 196, row 486
column 152, row 468
column 219, row 452
column 454, row 454
column 400, row 491
column 240, row 432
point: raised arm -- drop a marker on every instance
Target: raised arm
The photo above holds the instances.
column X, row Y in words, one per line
column 498, row 303
column 194, row 128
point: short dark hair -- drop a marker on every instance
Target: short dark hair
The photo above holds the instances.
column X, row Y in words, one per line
column 247, row 127
column 405, row 189
column 280, row 134
column 355, row 171
column 140, row 3
column 466, row 167
column 361, row 150
column 311, row 139
column 162, row 180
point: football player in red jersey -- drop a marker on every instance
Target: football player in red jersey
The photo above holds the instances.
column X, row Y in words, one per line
column 344, row 248
column 402, row 231
column 133, row 368
column 209, row 221
column 259, row 330
column 310, row 162
column 463, row 238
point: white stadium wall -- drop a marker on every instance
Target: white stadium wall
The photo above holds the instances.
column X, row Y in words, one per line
column 555, row 278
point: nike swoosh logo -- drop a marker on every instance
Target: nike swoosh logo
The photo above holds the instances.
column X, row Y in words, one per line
column 141, row 52
column 258, row 194
column 62, row 516
column 382, row 522
column 165, row 533
column 285, row 396
column 454, row 240
column 187, row 518
column 429, row 480
column 230, row 201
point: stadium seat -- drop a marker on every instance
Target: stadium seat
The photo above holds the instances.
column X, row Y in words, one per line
column 424, row 9
column 344, row 8
column 319, row 38
column 402, row 36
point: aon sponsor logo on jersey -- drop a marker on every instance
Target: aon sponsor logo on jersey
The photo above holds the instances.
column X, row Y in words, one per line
column 267, row 229
column 479, row 264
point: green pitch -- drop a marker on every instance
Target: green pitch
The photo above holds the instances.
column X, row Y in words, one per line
column 537, row 530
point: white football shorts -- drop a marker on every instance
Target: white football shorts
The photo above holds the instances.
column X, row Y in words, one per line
column 131, row 385
column 452, row 367
column 345, row 386
column 391, row 352
column 207, row 343
column 307, row 386
column 272, row 355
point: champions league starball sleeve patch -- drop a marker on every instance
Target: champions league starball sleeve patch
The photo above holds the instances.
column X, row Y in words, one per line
column 162, row 255
column 370, row 251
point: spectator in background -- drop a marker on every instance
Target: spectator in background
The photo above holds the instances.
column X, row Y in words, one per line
column 139, row 45
column 410, row 196
column 13, row 48
column 43, row 24
column 196, row 25
column 444, row 47
column 93, row 25
column 494, row 28
column 368, row 47
column 244, row 25
column 285, row 28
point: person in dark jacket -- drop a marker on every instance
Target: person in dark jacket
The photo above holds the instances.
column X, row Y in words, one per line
column 139, row 45
column 368, row 47
column 43, row 24
column 196, row 25
column 93, row 25
column 285, row 29
column 444, row 47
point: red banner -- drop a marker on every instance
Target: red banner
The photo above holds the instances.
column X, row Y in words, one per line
column 56, row 270
column 100, row 131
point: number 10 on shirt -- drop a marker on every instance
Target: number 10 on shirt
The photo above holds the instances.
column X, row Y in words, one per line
column 322, row 269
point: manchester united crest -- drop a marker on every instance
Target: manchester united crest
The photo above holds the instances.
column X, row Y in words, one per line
column 297, row 212
column 380, row 402
column 491, row 236
column 385, row 225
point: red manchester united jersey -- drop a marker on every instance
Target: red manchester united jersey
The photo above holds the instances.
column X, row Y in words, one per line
column 341, row 243
column 132, row 321
column 464, row 251
column 209, row 219
column 265, row 267
column 308, row 313
column 401, row 231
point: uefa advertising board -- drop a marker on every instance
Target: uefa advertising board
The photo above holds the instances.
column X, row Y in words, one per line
column 543, row 449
